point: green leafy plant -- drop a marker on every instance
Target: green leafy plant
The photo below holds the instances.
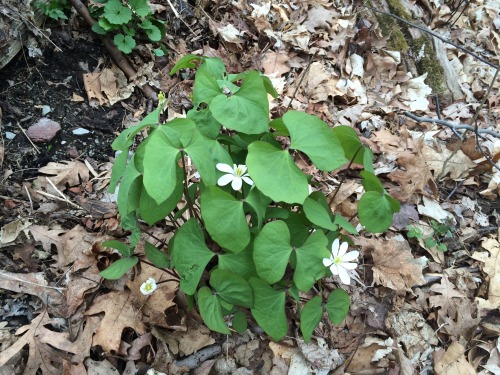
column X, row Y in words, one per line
column 255, row 235
column 127, row 20
column 55, row 9
column 441, row 231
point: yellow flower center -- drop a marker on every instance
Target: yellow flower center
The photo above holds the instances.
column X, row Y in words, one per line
column 337, row 260
column 148, row 287
column 239, row 172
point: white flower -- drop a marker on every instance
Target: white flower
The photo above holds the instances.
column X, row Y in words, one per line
column 235, row 175
column 339, row 261
column 148, row 286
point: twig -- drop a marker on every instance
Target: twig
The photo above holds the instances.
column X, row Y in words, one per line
column 301, row 79
column 474, row 121
column 451, row 125
column 344, row 174
column 425, row 30
column 29, row 197
column 26, row 135
column 59, row 199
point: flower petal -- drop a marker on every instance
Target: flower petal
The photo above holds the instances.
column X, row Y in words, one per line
column 343, row 249
column 334, row 268
column 237, row 182
column 344, row 276
column 327, row 262
column 247, row 180
column 335, row 247
column 351, row 255
column 242, row 168
column 224, row 168
column 349, row 266
column 224, row 180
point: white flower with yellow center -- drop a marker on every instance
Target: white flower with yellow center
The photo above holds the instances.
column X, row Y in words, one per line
column 235, row 175
column 148, row 286
column 339, row 261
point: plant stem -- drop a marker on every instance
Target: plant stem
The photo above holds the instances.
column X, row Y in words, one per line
column 186, row 191
column 171, row 273
column 343, row 175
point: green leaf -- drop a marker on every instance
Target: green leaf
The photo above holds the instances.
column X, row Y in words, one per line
column 239, row 322
column 186, row 62
column 442, row 247
column 129, row 223
column 275, row 174
column 241, row 264
column 259, row 203
column 130, row 189
column 201, row 150
column 430, row 242
column 232, row 288
column 269, row 309
column 368, row 160
column 371, row 182
column 116, row 13
column 205, row 84
column 153, row 33
column 205, row 122
column 98, row 29
column 157, row 257
column 279, row 126
column 190, row 255
column 123, row 248
column 314, row 138
column 224, row 219
column 119, row 268
column 310, row 256
column 126, row 138
column 271, row 251
column 350, row 142
column 310, row 317
column 160, row 163
column 152, row 212
column 247, row 111
column 337, row 306
column 375, row 212
column 158, row 52
column 344, row 224
column 210, row 311
column 318, row 215
column 117, row 171
column 141, row 7
column 125, row 43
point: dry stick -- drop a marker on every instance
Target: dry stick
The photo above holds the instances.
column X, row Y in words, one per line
column 451, row 125
column 119, row 58
column 301, row 79
column 425, row 30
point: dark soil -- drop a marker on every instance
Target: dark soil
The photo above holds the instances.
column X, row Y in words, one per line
column 26, row 84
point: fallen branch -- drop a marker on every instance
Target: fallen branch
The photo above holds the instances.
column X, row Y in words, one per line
column 451, row 125
column 119, row 58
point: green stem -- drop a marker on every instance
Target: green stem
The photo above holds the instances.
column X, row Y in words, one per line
column 186, row 191
column 171, row 273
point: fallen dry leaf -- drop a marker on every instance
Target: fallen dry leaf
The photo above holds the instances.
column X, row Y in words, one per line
column 448, row 297
column 491, row 267
column 71, row 172
column 458, row 166
column 453, row 361
column 393, row 264
column 120, row 312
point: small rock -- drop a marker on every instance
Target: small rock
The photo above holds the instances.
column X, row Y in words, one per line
column 80, row 131
column 10, row 135
column 43, row 130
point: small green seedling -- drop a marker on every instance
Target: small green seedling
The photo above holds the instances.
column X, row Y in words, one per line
column 441, row 231
column 128, row 20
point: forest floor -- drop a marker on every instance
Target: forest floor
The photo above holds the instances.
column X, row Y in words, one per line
column 428, row 292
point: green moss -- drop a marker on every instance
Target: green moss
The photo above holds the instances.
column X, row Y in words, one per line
column 398, row 9
column 389, row 27
column 428, row 63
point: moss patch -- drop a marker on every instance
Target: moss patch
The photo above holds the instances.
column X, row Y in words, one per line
column 428, row 63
